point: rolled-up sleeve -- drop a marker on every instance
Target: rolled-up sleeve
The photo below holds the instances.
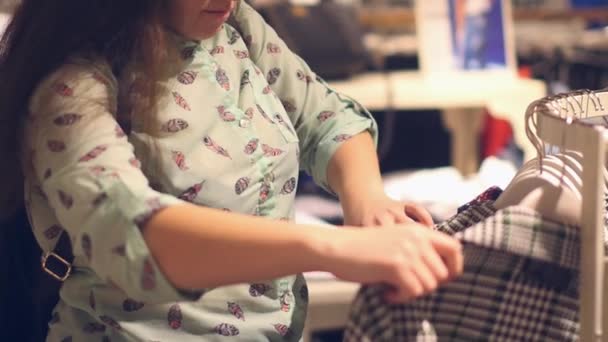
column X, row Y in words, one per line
column 323, row 118
column 93, row 182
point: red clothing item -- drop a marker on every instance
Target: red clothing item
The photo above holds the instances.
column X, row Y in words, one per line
column 495, row 135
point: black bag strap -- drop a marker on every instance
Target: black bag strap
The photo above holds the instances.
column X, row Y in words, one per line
column 57, row 257
column 58, row 261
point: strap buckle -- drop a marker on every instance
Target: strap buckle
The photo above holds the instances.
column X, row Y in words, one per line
column 56, row 260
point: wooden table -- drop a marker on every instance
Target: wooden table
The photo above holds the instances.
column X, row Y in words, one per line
column 328, row 305
column 461, row 99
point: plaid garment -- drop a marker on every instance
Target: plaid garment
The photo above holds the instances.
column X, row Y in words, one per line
column 520, row 283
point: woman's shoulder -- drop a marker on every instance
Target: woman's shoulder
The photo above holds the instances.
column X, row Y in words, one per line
column 78, row 75
column 82, row 68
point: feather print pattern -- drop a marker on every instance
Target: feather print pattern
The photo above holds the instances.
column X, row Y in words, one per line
column 249, row 113
column 87, row 246
column 67, row 119
column 284, row 123
column 215, row 147
column 190, row 194
column 289, row 186
column 272, row 48
column 241, row 185
column 302, row 76
column 245, row 79
column 222, row 79
column 181, row 101
column 111, row 322
column 63, row 89
column 92, row 302
column 131, row 305
column 226, row 329
column 53, row 232
column 241, row 54
column 93, row 328
column 65, row 199
column 217, row 50
column 236, row 311
column 271, row 151
column 257, row 290
column 234, row 36
column 225, row 115
column 282, row 329
column 342, row 137
column 264, row 115
column 148, row 276
column 188, row 52
column 187, row 77
column 120, row 250
column 289, row 106
column 252, row 146
column 248, row 39
column 174, row 317
column 326, row 115
column 174, row 125
column 180, row 160
column 265, row 191
column 56, row 146
column 273, row 75
column 94, row 153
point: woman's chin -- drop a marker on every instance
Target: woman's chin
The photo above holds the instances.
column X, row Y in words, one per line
column 207, row 32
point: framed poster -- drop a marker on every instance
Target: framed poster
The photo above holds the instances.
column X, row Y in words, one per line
column 465, row 36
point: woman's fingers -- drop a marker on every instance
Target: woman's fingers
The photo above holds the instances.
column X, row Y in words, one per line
column 418, row 213
column 407, row 286
column 450, row 250
column 411, row 258
column 426, row 277
column 400, row 216
column 384, row 219
column 436, row 265
column 439, row 258
column 392, row 216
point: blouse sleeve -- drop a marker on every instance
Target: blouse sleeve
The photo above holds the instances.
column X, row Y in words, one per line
column 322, row 117
column 92, row 180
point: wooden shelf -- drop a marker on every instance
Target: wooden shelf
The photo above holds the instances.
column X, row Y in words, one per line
column 388, row 18
column 404, row 18
column 591, row 14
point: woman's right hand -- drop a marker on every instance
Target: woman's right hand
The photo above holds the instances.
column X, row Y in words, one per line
column 411, row 259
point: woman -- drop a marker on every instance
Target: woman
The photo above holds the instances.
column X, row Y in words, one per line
column 167, row 144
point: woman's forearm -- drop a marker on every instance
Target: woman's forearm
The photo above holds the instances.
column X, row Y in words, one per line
column 354, row 170
column 198, row 247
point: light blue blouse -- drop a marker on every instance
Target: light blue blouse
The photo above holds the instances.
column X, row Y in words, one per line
column 241, row 114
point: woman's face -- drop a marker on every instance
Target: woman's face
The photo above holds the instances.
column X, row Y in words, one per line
column 199, row 19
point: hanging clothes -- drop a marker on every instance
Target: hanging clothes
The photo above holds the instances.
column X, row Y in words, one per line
column 520, row 282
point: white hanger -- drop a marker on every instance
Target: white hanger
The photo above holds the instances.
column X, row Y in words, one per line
column 574, row 122
column 552, row 184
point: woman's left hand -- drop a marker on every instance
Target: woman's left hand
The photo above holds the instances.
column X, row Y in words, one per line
column 381, row 210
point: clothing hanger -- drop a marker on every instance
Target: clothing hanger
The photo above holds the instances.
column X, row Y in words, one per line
column 582, row 135
column 576, row 123
column 552, row 183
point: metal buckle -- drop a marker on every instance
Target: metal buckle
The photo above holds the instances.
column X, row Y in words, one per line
column 66, row 264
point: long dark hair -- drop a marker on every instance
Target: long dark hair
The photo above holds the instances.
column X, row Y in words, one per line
column 40, row 37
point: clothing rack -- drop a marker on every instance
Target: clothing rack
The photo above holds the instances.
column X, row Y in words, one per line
column 563, row 121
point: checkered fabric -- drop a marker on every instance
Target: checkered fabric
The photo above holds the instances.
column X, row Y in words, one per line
column 520, row 283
